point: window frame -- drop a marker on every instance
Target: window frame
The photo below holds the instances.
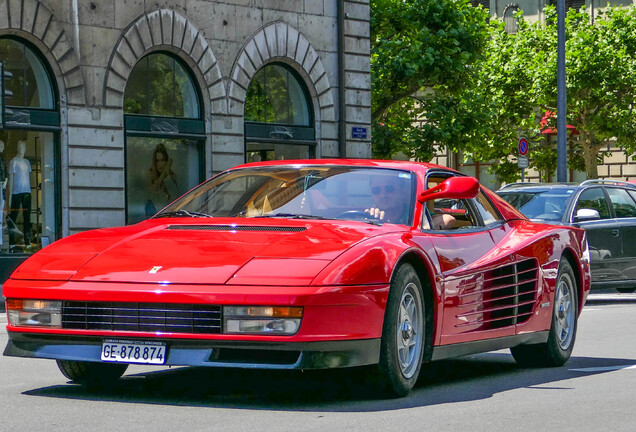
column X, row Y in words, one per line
column 613, row 206
column 169, row 128
column 471, row 204
column 608, row 203
column 283, row 133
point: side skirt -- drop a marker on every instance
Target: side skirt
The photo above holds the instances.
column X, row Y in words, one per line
column 456, row 350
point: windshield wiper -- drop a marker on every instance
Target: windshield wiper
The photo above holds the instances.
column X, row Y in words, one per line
column 291, row 216
column 183, row 213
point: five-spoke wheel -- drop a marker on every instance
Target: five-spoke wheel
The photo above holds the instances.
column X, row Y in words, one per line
column 404, row 333
column 558, row 348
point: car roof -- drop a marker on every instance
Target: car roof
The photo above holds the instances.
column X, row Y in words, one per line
column 544, row 187
column 536, row 187
column 371, row 163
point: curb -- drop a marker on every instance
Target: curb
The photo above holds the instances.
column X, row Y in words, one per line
column 597, row 299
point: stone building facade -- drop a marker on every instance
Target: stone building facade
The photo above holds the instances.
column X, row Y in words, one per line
column 84, row 129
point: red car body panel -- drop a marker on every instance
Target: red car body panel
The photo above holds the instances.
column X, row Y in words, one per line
column 338, row 271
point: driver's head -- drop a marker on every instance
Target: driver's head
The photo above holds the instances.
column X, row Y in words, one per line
column 388, row 192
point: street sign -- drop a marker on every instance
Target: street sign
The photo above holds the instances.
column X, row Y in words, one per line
column 359, row 132
column 522, row 162
column 523, row 147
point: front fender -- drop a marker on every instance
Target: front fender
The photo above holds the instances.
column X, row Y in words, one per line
column 366, row 263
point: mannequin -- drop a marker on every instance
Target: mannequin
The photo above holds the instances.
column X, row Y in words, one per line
column 3, row 184
column 20, row 188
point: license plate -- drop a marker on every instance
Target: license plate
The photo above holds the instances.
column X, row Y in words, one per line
column 144, row 352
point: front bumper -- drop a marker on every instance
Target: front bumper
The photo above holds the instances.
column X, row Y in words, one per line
column 180, row 352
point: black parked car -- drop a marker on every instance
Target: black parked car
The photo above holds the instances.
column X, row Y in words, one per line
column 606, row 209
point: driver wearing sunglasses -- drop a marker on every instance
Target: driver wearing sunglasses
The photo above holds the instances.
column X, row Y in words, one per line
column 389, row 200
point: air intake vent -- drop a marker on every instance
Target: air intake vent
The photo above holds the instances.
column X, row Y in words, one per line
column 505, row 296
column 235, row 228
column 142, row 317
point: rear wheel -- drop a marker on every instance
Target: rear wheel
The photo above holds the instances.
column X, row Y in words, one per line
column 625, row 290
column 557, row 350
column 403, row 333
column 91, row 373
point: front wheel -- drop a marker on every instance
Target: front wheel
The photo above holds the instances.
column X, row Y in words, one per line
column 403, row 333
column 91, row 374
column 558, row 349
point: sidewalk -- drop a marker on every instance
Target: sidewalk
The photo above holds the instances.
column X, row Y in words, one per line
column 610, row 297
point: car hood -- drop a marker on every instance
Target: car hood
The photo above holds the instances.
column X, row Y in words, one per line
column 253, row 251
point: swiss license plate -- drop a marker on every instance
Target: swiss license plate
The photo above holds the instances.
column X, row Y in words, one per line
column 124, row 351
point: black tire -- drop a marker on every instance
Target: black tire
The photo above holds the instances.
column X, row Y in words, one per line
column 403, row 334
column 625, row 290
column 92, row 374
column 558, row 349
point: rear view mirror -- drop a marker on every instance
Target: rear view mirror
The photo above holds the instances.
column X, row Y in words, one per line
column 452, row 188
column 586, row 214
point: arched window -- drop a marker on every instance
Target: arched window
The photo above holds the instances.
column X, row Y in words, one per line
column 159, row 85
column 509, row 18
column 31, row 84
column 165, row 134
column 278, row 116
column 29, row 152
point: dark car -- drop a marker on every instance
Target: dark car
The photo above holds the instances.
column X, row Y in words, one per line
column 606, row 209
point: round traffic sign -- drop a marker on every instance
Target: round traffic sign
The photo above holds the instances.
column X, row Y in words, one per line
column 523, row 146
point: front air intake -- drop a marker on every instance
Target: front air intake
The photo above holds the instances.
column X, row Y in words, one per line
column 236, row 228
column 142, row 317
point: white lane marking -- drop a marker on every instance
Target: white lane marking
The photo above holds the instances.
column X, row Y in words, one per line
column 604, row 368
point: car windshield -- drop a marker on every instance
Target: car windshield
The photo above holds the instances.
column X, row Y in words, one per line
column 546, row 205
column 299, row 191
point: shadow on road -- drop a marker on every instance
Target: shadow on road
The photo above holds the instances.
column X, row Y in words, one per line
column 464, row 379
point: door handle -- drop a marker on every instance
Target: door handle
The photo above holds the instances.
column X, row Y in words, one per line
column 615, row 232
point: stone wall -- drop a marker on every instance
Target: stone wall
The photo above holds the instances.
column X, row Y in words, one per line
column 92, row 47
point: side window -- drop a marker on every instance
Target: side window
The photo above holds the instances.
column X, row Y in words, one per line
column 485, row 208
column 453, row 214
column 624, row 206
column 594, row 199
column 448, row 214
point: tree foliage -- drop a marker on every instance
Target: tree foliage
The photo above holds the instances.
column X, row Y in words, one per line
column 506, row 88
column 418, row 44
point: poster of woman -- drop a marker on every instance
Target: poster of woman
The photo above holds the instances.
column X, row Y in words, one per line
column 162, row 181
column 158, row 172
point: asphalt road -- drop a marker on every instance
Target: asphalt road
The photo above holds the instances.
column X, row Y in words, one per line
column 486, row 392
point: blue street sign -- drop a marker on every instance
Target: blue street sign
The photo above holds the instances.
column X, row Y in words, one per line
column 359, row 132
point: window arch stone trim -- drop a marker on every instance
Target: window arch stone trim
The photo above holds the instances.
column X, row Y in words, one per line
column 514, row 6
column 31, row 19
column 163, row 29
column 278, row 41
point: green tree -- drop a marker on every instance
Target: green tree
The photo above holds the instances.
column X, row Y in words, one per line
column 504, row 100
column 517, row 79
column 601, row 80
column 415, row 45
column 504, row 88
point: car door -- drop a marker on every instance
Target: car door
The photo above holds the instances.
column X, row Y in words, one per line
column 464, row 249
column 624, row 206
column 603, row 235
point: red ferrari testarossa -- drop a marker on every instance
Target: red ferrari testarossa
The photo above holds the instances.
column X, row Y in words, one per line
column 306, row 264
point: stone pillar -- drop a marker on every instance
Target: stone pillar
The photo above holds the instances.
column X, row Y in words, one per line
column 357, row 78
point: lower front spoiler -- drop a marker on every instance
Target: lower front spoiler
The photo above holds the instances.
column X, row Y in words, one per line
column 252, row 355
